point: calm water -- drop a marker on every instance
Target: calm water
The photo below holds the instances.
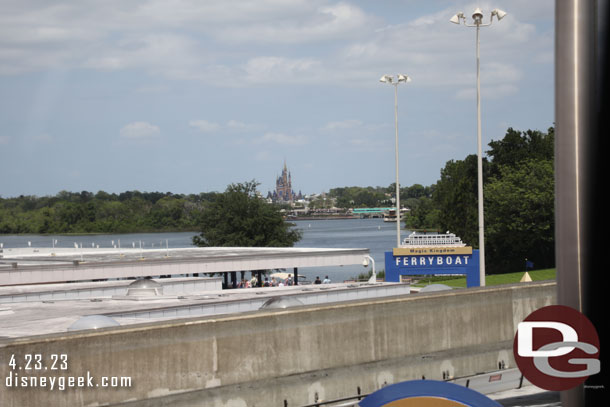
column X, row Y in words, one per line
column 372, row 234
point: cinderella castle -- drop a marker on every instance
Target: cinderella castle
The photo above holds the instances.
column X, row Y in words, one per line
column 283, row 188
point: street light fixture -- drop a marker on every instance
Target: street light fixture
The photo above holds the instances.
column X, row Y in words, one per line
column 400, row 78
column 365, row 263
column 477, row 17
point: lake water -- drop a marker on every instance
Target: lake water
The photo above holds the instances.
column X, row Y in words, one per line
column 373, row 234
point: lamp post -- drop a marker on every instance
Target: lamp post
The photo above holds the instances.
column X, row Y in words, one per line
column 400, row 78
column 477, row 17
column 365, row 263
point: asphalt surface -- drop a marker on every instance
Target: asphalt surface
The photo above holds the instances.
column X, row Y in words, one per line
column 528, row 396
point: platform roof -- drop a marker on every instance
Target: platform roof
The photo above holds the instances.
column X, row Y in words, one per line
column 25, row 317
column 29, row 266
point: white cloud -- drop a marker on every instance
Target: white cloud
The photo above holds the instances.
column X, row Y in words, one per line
column 281, row 138
column 140, row 131
column 236, row 126
column 43, row 138
column 263, row 156
column 487, row 92
column 170, row 37
column 204, row 126
column 172, row 55
column 271, row 69
column 232, row 126
column 315, row 23
column 436, row 53
column 239, row 43
column 343, row 124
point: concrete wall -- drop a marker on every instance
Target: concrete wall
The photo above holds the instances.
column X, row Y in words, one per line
column 287, row 357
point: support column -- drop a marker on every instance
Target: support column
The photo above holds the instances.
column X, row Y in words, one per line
column 581, row 112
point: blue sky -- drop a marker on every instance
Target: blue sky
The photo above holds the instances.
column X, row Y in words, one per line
column 188, row 96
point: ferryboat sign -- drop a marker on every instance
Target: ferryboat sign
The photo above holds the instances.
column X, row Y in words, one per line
column 437, row 260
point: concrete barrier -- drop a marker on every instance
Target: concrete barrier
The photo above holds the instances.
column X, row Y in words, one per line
column 278, row 358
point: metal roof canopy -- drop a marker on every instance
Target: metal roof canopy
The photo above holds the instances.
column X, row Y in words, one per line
column 27, row 266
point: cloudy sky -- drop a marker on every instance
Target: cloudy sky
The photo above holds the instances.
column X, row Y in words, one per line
column 188, row 96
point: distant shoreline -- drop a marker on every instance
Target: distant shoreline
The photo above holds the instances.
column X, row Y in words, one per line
column 148, row 231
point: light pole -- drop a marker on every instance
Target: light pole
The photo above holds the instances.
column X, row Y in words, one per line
column 400, row 78
column 365, row 263
column 477, row 17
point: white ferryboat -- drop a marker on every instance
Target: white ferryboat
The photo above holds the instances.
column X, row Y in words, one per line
column 390, row 216
column 432, row 239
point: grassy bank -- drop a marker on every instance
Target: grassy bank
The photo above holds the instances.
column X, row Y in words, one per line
column 495, row 279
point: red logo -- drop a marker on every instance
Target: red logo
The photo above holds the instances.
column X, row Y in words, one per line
column 556, row 348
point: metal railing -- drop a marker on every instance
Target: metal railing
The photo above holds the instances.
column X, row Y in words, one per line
column 466, row 381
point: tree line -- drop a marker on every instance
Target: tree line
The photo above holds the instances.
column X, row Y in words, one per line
column 102, row 212
column 369, row 197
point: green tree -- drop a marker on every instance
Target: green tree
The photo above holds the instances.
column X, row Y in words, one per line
column 414, row 191
column 423, row 214
column 519, row 216
column 358, row 197
column 519, row 201
column 239, row 218
column 85, row 212
column 456, row 198
column 517, row 147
